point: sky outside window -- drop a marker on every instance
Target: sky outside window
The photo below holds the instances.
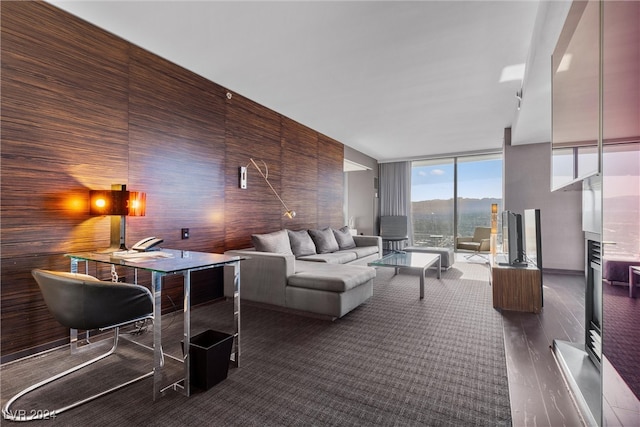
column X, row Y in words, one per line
column 476, row 180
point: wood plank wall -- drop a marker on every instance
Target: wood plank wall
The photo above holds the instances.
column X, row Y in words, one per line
column 83, row 109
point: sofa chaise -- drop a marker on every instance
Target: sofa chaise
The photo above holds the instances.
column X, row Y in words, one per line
column 323, row 272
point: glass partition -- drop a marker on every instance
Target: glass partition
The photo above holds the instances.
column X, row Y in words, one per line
column 576, row 95
column 621, row 209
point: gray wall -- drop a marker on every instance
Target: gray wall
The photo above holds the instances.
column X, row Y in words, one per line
column 361, row 201
column 527, row 183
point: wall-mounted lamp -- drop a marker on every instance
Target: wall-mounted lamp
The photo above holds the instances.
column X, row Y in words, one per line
column 117, row 203
column 519, row 98
column 265, row 175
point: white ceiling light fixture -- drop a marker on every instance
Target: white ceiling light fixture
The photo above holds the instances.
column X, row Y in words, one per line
column 512, row 73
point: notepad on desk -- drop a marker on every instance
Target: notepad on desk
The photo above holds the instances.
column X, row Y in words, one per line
column 141, row 256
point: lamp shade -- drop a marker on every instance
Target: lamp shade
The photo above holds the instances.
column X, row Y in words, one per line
column 108, row 202
column 137, row 203
column 117, row 202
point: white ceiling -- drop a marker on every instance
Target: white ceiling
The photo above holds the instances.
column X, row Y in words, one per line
column 394, row 80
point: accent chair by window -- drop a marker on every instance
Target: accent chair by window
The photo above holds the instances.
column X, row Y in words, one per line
column 479, row 243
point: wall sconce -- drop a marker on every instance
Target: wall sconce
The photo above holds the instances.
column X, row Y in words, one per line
column 118, row 203
column 265, row 175
column 494, row 229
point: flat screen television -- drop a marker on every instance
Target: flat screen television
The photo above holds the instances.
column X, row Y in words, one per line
column 512, row 238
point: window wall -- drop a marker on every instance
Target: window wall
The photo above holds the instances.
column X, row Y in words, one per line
column 432, row 202
column 451, row 196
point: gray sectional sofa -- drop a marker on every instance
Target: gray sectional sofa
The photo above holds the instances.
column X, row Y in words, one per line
column 323, row 272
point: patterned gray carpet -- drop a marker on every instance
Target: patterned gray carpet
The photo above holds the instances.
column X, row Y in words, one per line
column 394, row 361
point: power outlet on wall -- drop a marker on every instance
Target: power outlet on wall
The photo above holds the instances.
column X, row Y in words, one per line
column 185, row 233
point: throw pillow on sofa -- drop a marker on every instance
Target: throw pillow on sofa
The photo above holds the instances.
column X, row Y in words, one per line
column 277, row 242
column 344, row 238
column 301, row 243
column 324, row 240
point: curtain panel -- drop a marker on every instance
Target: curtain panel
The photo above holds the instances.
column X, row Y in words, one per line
column 395, row 193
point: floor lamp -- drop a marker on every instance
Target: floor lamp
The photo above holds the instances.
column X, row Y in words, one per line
column 494, row 230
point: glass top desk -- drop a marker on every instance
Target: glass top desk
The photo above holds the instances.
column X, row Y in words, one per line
column 160, row 264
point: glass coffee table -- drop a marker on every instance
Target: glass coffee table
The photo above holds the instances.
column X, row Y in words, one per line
column 412, row 261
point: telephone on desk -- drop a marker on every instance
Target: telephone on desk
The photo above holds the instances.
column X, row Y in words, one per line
column 147, row 244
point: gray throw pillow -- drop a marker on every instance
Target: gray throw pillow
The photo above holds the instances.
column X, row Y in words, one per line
column 325, row 240
column 277, row 242
column 344, row 238
column 301, row 243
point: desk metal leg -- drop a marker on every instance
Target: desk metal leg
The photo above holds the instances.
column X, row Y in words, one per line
column 183, row 384
column 186, row 334
column 422, row 274
column 236, row 312
column 156, row 282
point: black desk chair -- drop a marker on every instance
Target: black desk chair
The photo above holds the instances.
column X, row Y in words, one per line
column 394, row 228
column 79, row 301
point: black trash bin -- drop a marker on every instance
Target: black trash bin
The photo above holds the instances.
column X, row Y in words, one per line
column 210, row 352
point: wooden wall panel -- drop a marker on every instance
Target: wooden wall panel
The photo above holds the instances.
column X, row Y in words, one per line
column 252, row 131
column 53, row 130
column 330, row 183
column 83, row 109
column 300, row 173
column 176, row 156
column 64, row 131
column 176, row 152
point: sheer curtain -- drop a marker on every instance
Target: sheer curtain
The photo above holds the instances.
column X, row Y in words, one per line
column 395, row 191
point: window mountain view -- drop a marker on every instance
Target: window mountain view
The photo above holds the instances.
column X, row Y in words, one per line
column 433, row 219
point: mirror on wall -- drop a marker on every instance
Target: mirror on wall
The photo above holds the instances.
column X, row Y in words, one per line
column 575, row 110
column 596, row 138
column 621, row 210
column 621, row 234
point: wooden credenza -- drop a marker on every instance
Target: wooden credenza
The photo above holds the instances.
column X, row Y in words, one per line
column 516, row 288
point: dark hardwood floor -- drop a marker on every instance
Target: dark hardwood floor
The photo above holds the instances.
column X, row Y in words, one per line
column 539, row 396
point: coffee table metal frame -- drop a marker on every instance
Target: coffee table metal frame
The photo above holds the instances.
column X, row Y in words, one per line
column 412, row 261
